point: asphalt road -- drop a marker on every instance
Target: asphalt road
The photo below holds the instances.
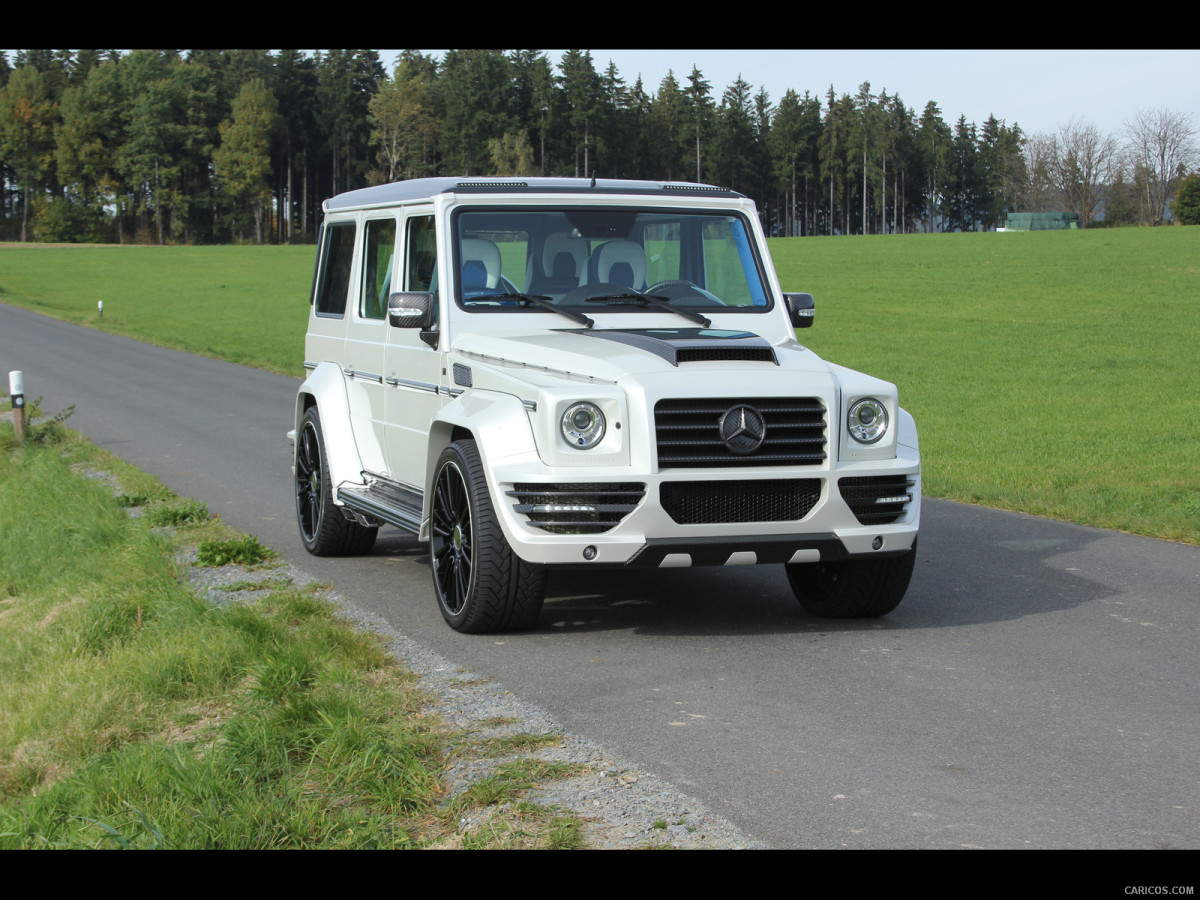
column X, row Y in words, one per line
column 1037, row 688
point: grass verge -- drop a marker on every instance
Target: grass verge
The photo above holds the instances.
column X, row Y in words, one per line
column 134, row 714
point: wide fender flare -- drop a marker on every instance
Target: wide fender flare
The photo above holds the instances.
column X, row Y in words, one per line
column 906, row 431
column 499, row 425
column 325, row 387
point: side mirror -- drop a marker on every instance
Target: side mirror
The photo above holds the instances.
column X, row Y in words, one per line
column 801, row 309
column 411, row 309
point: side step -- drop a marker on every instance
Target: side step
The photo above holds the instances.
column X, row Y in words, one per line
column 385, row 501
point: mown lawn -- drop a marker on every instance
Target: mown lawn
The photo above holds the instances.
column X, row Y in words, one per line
column 247, row 305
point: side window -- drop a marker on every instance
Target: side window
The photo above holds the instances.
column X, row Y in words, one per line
column 378, row 247
column 337, row 256
column 420, row 273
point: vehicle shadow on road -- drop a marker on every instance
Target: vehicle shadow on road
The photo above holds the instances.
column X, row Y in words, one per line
column 974, row 565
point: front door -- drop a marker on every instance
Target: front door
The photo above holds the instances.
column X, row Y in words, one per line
column 413, row 379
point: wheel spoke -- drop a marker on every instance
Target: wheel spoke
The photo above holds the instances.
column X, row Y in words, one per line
column 461, row 580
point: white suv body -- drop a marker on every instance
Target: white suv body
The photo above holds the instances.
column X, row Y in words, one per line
column 530, row 373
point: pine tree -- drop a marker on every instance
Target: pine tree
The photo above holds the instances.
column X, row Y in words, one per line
column 243, row 160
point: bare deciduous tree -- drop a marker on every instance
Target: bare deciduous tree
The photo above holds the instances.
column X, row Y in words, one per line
column 1070, row 168
column 1159, row 149
column 1041, row 195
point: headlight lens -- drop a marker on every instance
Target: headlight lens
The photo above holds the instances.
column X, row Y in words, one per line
column 583, row 425
column 868, row 420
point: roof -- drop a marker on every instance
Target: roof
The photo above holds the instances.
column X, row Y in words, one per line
column 422, row 188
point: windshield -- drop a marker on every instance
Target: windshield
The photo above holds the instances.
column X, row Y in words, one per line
column 593, row 259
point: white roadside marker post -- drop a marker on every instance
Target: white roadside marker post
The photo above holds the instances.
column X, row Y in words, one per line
column 16, row 392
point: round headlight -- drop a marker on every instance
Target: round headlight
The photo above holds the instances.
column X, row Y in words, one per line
column 868, row 420
column 583, row 425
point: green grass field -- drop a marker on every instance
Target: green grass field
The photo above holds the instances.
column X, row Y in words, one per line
column 244, row 304
column 1049, row 372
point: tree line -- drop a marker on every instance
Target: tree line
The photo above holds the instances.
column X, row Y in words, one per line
column 201, row 146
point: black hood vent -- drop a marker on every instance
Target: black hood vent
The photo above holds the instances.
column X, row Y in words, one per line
column 688, row 345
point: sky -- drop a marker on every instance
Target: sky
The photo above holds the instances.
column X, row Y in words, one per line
column 1039, row 90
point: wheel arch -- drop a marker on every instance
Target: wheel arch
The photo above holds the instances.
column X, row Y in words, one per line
column 325, row 389
column 497, row 423
column 906, row 433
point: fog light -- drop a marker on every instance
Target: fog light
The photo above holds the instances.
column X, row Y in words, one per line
column 877, row 543
column 589, row 552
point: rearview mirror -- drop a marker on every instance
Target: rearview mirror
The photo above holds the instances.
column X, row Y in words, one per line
column 411, row 309
column 801, row 309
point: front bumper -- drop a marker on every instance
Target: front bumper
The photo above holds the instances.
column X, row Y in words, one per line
column 688, row 517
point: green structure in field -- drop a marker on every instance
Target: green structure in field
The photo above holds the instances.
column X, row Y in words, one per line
column 1050, row 221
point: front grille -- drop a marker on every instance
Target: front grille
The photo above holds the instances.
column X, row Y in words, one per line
column 719, row 502
column 688, row 432
column 878, row 499
column 588, row 508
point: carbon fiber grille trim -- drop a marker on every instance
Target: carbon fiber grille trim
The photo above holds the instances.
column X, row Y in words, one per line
column 688, row 432
column 724, row 354
column 864, row 496
column 586, row 508
column 719, row 502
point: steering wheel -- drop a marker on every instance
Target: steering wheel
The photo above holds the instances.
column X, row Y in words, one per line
column 678, row 289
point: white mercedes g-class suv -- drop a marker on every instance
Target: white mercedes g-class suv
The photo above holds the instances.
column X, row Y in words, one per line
column 541, row 372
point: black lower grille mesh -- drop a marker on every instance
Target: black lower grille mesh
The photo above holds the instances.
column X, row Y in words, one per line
column 716, row 502
column 878, row 499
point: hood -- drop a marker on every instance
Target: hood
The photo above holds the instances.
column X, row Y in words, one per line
column 608, row 354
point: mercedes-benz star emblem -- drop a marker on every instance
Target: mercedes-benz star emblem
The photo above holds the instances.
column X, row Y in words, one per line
column 743, row 429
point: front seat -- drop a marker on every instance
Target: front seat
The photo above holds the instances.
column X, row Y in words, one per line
column 563, row 259
column 619, row 262
column 481, row 264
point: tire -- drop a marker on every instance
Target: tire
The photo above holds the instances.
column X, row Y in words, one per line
column 323, row 528
column 852, row 589
column 481, row 585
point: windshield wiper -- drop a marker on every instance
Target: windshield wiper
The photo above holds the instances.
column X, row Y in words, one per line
column 655, row 300
column 543, row 302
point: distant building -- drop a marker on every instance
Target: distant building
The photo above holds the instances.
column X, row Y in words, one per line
column 1049, row 221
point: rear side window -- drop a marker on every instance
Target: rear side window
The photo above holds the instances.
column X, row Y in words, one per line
column 337, row 255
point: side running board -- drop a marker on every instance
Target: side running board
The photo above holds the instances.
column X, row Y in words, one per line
column 383, row 501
